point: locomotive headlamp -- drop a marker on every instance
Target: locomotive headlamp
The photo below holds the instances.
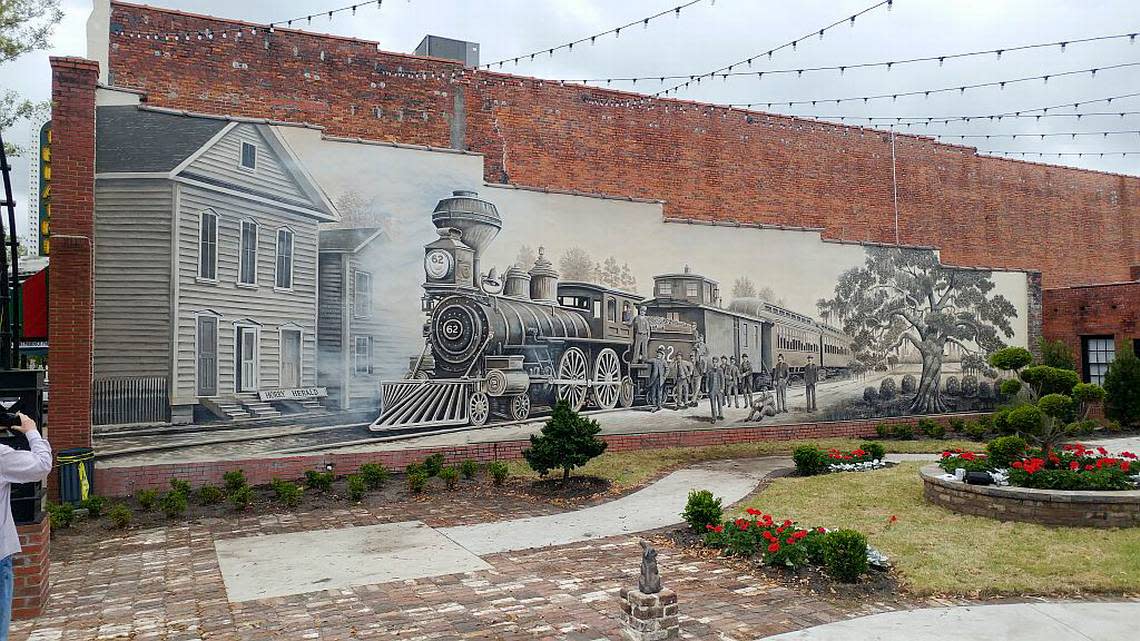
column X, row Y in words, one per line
column 438, row 264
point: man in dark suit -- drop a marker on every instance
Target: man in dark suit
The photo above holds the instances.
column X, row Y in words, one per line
column 811, row 375
column 657, row 371
column 715, row 385
column 780, row 376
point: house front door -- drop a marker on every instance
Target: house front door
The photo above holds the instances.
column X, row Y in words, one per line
column 207, row 356
column 245, row 369
column 290, row 359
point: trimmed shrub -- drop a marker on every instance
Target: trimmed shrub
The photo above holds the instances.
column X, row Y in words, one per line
column 887, row 389
column 450, row 476
column 319, row 481
column 876, row 450
column 210, row 495
column 94, row 505
column 1046, row 380
column 173, row 504
column 568, row 440
column 809, row 460
column 936, row 431
column 845, row 554
column 499, row 472
column 957, row 425
column 357, row 486
column 234, row 480
column 883, row 430
column 242, row 498
column 181, row 487
column 147, row 499
column 433, row 464
column 1056, row 354
column 925, row 426
column 1009, row 388
column 1001, row 421
column 417, row 482
column 701, row 510
column 976, row 430
column 903, row 431
column 909, row 384
column 287, row 494
column 62, row 515
column 969, row 386
column 469, row 469
column 1122, row 389
column 375, row 475
column 1011, row 358
column 952, row 386
column 870, row 394
column 120, row 516
column 414, row 468
column 1004, row 450
column 1025, row 419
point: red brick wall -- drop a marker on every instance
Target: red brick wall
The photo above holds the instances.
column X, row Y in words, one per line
column 70, row 276
column 31, row 565
column 706, row 162
column 1073, row 312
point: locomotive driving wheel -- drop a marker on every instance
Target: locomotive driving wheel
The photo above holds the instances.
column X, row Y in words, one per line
column 607, row 379
column 572, row 376
column 520, row 407
column 625, row 392
column 478, row 408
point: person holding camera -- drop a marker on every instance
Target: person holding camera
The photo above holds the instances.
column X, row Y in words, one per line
column 17, row 466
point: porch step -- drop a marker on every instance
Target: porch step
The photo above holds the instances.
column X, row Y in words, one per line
column 312, row 405
column 232, row 410
column 260, row 409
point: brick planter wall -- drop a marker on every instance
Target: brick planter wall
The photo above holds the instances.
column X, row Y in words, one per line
column 1047, row 507
column 124, row 481
column 31, row 570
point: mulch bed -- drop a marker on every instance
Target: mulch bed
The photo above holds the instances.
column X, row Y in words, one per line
column 575, row 487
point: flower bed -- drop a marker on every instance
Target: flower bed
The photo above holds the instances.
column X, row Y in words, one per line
column 1075, row 467
column 811, row 460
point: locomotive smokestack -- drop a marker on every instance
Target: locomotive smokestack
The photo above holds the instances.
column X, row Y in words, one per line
column 478, row 219
column 516, row 283
column 543, row 280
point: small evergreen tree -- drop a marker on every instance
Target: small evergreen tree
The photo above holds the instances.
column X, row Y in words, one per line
column 568, row 440
column 1122, row 388
column 1057, row 354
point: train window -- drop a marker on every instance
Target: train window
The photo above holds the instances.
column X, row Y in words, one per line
column 597, row 308
column 611, row 310
column 665, row 288
column 745, row 327
column 626, row 312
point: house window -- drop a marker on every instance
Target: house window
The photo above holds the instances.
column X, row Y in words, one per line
column 362, row 355
column 1099, row 351
column 249, row 155
column 665, row 288
column 247, row 271
column 691, row 290
column 284, row 259
column 208, row 245
column 362, row 295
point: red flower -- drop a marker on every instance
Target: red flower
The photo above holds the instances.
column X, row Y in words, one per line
column 768, row 535
column 743, row 523
column 1073, row 465
column 780, row 530
column 1125, row 466
column 1017, row 465
column 820, row 530
column 893, row 519
column 787, row 522
column 858, row 453
column 754, row 512
column 1089, row 468
column 946, row 455
column 791, row 540
column 775, row 547
column 1128, row 455
column 715, row 528
column 1100, row 450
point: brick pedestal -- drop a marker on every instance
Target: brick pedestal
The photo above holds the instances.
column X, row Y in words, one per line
column 649, row 617
column 31, row 570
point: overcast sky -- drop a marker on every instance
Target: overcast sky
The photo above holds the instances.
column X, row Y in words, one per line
column 712, row 34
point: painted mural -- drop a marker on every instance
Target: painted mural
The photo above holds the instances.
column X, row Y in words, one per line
column 494, row 302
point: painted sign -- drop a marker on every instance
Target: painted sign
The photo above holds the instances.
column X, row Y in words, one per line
column 294, row 394
column 45, row 189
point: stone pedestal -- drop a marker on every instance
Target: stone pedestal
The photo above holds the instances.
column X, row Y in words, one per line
column 649, row 617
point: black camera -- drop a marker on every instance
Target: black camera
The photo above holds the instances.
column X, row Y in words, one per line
column 9, row 419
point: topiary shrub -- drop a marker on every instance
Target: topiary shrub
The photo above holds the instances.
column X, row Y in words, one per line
column 1044, row 380
column 173, row 504
column 1010, row 388
column 952, row 386
column 887, row 389
column 1056, row 354
column 433, row 464
column 568, row 440
column 870, row 394
column 701, row 510
column 234, row 480
column 957, row 425
column 375, row 475
column 936, row 431
column 876, row 450
column 976, row 430
column 809, row 460
column 62, row 515
column 450, row 476
column 180, row 486
column 883, row 430
column 286, row 493
column 1004, row 450
column 210, row 495
column 147, row 499
column 845, row 555
column 120, row 516
column 356, row 486
column 969, row 386
column 1122, row 389
column 909, row 384
column 94, row 505
column 499, row 472
column 903, row 431
column 925, row 426
column 469, row 469
column 1085, row 395
column 1001, row 421
column 417, row 482
column 319, row 481
column 1011, row 358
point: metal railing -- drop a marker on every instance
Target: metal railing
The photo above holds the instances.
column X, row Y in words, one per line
column 124, row 400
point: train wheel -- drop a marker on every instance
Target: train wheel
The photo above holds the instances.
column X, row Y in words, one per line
column 520, row 407
column 572, row 367
column 478, row 409
column 607, row 379
column 625, row 392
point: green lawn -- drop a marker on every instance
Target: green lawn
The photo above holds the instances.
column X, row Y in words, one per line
column 627, row 469
column 941, row 552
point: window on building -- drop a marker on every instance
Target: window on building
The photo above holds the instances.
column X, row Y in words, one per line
column 284, row 258
column 692, row 290
column 362, row 295
column 1099, row 351
column 665, row 288
column 249, row 155
column 208, row 245
column 746, row 334
column 247, row 271
column 362, row 355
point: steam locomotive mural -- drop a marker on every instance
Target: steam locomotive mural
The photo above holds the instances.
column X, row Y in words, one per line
column 505, row 346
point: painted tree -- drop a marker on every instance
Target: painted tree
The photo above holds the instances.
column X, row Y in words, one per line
column 576, row 264
column 903, row 296
column 526, row 257
column 743, row 287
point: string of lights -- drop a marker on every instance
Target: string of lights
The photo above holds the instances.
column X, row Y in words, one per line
column 616, row 31
column 940, row 120
column 886, row 64
column 1043, row 135
column 1045, row 154
column 792, row 44
column 927, row 92
column 210, row 34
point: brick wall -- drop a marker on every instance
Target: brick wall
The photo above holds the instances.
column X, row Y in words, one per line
column 125, row 481
column 30, row 567
column 70, row 276
column 706, row 162
column 1100, row 310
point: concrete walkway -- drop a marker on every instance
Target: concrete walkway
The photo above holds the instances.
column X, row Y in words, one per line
column 1004, row 622
column 656, row 506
